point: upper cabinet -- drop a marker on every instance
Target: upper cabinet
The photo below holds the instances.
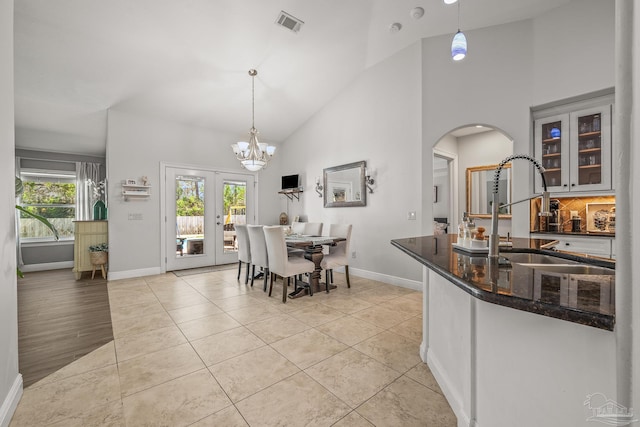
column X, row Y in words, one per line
column 575, row 148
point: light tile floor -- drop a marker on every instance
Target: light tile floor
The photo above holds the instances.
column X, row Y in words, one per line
column 206, row 350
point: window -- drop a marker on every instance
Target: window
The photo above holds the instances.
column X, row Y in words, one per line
column 51, row 194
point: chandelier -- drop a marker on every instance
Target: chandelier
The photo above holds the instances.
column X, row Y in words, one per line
column 253, row 155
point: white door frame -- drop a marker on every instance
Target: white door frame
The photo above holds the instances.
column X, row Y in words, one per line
column 163, row 188
column 452, row 160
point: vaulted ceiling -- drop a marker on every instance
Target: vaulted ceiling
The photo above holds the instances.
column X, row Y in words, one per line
column 187, row 61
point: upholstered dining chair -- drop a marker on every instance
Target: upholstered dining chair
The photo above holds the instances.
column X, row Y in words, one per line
column 259, row 256
column 280, row 263
column 338, row 254
column 297, row 227
column 313, row 228
column 244, row 250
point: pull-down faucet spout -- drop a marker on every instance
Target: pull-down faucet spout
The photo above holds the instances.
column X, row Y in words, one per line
column 494, row 237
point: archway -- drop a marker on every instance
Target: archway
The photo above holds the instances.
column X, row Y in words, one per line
column 464, row 147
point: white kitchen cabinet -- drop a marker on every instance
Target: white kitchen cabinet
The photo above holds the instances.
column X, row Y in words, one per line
column 570, row 290
column 575, row 149
column 590, row 245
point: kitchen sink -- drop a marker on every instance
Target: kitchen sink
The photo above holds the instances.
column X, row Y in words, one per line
column 554, row 264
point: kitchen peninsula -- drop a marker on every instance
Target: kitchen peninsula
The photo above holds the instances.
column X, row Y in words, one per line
column 510, row 342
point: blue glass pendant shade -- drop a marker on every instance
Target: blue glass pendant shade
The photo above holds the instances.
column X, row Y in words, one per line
column 459, row 46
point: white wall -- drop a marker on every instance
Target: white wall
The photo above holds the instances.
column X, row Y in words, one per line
column 488, row 87
column 377, row 119
column 573, row 50
column 10, row 379
column 135, row 147
column 510, row 68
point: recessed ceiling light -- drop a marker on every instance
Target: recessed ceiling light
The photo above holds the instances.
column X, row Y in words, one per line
column 479, row 126
column 417, row 12
column 395, row 27
column 450, row 1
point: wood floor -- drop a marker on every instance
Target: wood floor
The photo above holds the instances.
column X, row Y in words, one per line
column 59, row 320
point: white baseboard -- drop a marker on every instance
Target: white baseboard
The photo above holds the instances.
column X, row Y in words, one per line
column 385, row 278
column 11, row 401
column 453, row 398
column 46, row 266
column 129, row 274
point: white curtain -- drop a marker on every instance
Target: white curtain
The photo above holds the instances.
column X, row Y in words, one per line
column 18, row 246
column 84, row 196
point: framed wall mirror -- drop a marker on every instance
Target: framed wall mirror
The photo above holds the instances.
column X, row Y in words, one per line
column 480, row 187
column 344, row 185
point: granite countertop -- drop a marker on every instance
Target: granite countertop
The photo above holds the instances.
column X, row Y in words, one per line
column 587, row 299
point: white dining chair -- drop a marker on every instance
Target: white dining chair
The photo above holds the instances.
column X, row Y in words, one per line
column 259, row 257
column 297, row 227
column 244, row 250
column 280, row 263
column 338, row 254
column 313, row 228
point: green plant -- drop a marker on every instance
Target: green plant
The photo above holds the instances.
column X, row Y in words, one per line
column 102, row 247
column 45, row 221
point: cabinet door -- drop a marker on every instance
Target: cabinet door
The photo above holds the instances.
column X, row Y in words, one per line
column 591, row 149
column 551, row 288
column 552, row 148
column 586, row 245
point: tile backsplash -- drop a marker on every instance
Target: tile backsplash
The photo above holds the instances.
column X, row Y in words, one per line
column 601, row 220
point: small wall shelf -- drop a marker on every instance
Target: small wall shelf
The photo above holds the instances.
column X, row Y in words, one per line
column 291, row 194
column 135, row 191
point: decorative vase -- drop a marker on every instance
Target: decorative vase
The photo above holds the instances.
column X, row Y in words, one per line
column 99, row 210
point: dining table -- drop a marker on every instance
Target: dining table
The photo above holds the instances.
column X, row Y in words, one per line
column 313, row 251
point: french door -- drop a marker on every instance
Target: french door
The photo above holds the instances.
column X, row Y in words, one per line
column 202, row 208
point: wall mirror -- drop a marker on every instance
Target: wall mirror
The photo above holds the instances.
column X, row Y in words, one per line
column 480, row 187
column 344, row 185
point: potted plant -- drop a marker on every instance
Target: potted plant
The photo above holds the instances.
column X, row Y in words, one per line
column 26, row 212
column 99, row 254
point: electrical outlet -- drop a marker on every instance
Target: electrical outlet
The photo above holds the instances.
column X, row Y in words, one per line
column 134, row 216
column 353, row 254
column 411, row 216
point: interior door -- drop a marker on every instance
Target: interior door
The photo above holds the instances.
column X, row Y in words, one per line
column 190, row 218
column 234, row 196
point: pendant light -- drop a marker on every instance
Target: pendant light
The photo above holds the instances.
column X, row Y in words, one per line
column 253, row 155
column 459, row 42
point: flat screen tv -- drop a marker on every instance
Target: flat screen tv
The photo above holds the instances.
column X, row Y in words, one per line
column 289, row 182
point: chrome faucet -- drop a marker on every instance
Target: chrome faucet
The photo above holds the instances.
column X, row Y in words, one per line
column 494, row 237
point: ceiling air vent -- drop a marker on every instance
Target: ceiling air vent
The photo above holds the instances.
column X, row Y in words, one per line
column 289, row 22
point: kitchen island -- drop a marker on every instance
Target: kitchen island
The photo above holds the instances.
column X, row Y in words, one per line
column 511, row 343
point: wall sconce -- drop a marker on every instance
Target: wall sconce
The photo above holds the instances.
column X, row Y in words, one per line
column 319, row 187
column 368, row 180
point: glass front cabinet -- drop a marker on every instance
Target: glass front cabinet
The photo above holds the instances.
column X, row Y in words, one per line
column 575, row 150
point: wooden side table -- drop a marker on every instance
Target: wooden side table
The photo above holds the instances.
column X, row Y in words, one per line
column 87, row 233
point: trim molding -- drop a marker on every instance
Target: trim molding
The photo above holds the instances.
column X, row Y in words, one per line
column 454, row 400
column 11, row 401
column 129, row 274
column 385, row 278
column 61, row 265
